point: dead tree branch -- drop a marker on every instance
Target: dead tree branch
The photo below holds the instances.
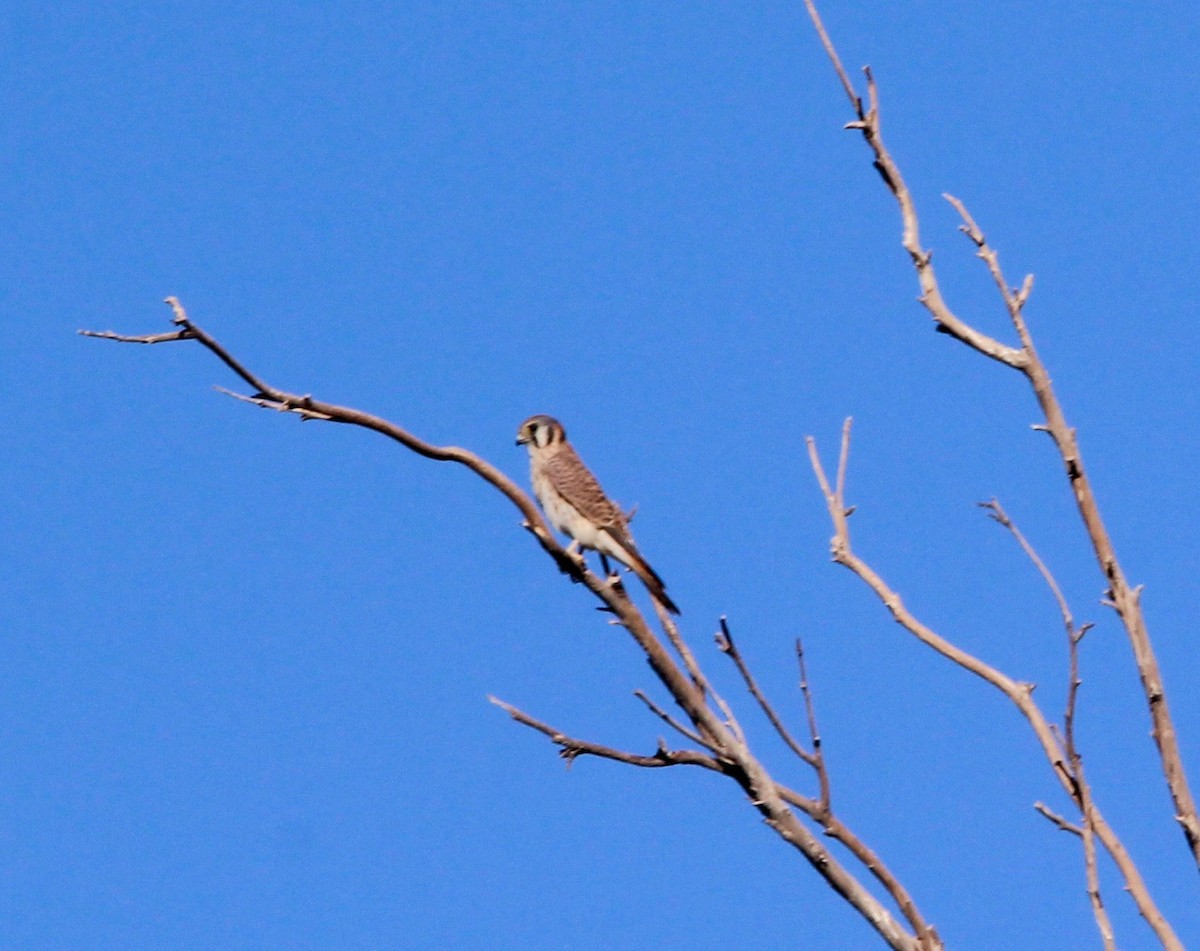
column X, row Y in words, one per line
column 715, row 729
column 1086, row 828
column 1058, row 820
column 1019, row 694
column 570, row 748
column 1124, row 598
column 725, row 644
column 813, row 733
column 670, row 720
column 821, row 810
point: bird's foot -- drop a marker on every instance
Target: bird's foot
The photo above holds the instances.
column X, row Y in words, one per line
column 613, row 580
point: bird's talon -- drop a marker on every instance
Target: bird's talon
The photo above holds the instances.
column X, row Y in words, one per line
column 614, row 581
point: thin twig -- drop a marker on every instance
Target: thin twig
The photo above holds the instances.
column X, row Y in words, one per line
column 670, row 720
column 1057, row 819
column 997, row 514
column 810, row 712
column 1014, row 300
column 147, row 338
column 832, row 53
column 570, row 747
column 1091, row 871
column 671, row 629
column 1067, row 738
column 300, row 411
column 727, row 646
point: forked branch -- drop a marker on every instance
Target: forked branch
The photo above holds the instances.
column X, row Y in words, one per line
column 1086, row 827
column 726, row 645
column 716, row 730
column 1123, row 598
column 1064, row 762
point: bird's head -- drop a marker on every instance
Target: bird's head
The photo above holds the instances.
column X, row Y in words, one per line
column 540, row 431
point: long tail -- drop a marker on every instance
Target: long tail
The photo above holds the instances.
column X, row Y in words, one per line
column 654, row 584
column 626, row 552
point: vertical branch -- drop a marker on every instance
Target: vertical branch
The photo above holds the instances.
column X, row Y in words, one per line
column 818, row 751
column 1086, row 829
column 1124, row 598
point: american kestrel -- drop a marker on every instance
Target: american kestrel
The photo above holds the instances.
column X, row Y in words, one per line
column 576, row 505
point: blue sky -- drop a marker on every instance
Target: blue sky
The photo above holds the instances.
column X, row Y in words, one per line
column 244, row 660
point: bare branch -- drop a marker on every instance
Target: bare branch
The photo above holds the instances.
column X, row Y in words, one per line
column 1013, row 300
column 831, row 52
column 1091, row 871
column 1019, row 694
column 818, row 751
column 1057, row 819
column 148, row 338
column 844, row 459
column 269, row 397
column 837, row 830
column 690, row 689
column 1123, row 599
column 998, row 515
column 726, row 645
column 681, row 648
column 300, row 411
column 820, row 810
column 868, row 123
column 570, row 748
column 669, row 720
column 1085, row 830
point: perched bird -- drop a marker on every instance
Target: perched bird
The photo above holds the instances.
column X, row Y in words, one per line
column 576, row 505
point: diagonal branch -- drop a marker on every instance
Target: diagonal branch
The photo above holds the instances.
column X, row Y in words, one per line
column 1086, row 828
column 689, row 690
column 671, row 629
column 1057, row 820
column 868, row 123
column 1124, row 598
column 1088, row 834
column 997, row 514
column 570, row 748
column 821, row 810
column 726, row 645
column 670, row 720
column 1019, row 694
column 832, row 53
column 1014, row 301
